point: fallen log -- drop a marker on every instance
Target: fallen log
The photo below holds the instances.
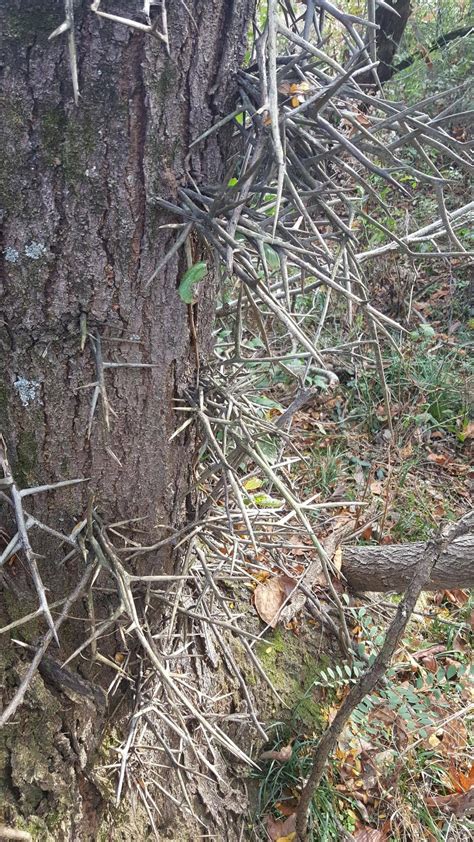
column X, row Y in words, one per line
column 390, row 567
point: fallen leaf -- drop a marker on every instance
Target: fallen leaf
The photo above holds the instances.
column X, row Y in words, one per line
column 337, row 559
column 426, row 653
column 376, row 487
column 457, row 597
column 437, row 458
column 268, row 598
column 430, row 663
column 462, row 782
column 406, row 451
column 459, row 805
column 279, row 829
column 287, row 584
column 362, row 118
column 252, row 483
column 369, row 834
column 454, row 737
column 288, row 807
column 282, row 755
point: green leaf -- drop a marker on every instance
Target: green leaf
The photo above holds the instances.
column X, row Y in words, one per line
column 262, row 400
column 427, row 330
column 272, row 256
column 269, row 448
column 405, row 713
column 189, row 280
column 267, row 502
column 451, row 671
column 252, row 483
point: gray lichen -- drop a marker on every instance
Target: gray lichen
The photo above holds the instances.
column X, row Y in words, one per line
column 28, row 390
column 35, row 250
column 11, row 254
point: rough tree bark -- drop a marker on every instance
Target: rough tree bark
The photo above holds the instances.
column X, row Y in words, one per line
column 391, row 28
column 81, row 237
column 391, row 567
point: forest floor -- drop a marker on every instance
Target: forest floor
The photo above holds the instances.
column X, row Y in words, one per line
column 403, row 768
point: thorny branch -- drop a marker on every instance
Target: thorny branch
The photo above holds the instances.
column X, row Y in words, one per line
column 312, row 143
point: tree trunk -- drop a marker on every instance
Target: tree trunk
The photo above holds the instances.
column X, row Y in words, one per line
column 391, row 567
column 390, row 32
column 81, row 239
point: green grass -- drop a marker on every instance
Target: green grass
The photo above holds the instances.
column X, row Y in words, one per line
column 327, row 468
column 280, row 782
column 430, row 387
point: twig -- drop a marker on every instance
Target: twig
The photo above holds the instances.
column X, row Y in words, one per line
column 17, row 700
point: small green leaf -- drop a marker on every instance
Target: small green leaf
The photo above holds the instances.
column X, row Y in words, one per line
column 252, row 483
column 262, row 400
column 269, row 448
column 451, row 671
column 189, row 280
column 272, row 257
column 264, row 501
column 405, row 713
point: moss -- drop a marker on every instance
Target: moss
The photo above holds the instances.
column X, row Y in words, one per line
column 291, row 666
column 165, row 83
column 52, row 126
column 35, row 22
column 15, row 609
column 80, row 138
column 70, row 142
column 12, row 160
column 26, row 458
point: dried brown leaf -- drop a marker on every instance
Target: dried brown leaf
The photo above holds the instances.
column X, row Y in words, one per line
column 369, row 834
column 282, row 755
column 278, row 829
column 268, row 598
column 458, row 805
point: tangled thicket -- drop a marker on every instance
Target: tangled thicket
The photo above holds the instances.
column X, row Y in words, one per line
column 314, row 144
